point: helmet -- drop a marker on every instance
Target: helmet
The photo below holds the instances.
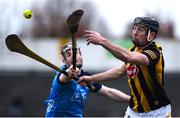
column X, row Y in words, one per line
column 147, row 22
column 67, row 47
column 64, row 50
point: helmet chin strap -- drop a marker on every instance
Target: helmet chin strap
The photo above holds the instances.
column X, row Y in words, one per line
column 79, row 66
column 148, row 39
column 148, row 36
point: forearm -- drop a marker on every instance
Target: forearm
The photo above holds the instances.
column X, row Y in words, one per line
column 118, row 95
column 71, row 74
column 112, row 74
column 114, row 94
column 119, row 52
column 64, row 78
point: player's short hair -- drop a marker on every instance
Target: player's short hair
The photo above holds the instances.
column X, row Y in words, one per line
column 148, row 23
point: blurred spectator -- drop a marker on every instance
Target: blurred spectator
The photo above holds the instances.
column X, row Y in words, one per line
column 127, row 34
column 167, row 30
column 16, row 107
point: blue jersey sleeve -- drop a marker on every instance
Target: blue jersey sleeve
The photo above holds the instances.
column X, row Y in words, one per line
column 97, row 87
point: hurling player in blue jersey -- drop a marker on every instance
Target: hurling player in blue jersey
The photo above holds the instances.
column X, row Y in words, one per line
column 67, row 97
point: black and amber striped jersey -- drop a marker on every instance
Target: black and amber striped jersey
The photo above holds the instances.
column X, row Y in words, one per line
column 146, row 82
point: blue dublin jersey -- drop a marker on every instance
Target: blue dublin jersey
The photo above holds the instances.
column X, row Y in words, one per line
column 66, row 99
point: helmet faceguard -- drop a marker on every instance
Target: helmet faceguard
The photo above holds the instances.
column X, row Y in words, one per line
column 64, row 50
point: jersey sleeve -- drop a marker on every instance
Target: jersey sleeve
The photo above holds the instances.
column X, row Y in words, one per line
column 97, row 87
column 153, row 55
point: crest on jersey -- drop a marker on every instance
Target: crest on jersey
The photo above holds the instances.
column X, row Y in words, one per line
column 132, row 71
column 79, row 96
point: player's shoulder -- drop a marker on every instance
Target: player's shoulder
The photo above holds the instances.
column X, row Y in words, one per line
column 154, row 46
column 83, row 73
column 132, row 48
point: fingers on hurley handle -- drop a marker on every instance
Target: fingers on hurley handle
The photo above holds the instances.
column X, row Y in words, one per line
column 89, row 85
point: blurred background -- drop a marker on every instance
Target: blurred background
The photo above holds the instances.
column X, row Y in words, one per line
column 25, row 83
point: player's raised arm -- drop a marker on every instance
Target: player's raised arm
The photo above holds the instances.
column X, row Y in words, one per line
column 119, row 52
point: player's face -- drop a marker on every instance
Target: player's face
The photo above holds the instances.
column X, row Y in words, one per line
column 68, row 60
column 139, row 35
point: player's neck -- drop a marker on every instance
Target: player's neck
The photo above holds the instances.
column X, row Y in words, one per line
column 142, row 47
